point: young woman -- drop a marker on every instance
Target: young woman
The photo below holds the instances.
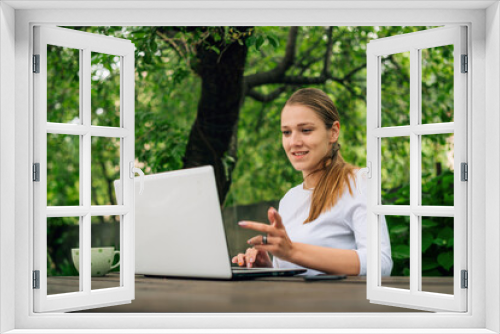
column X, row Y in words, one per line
column 321, row 224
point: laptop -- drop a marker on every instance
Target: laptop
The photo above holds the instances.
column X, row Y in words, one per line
column 179, row 228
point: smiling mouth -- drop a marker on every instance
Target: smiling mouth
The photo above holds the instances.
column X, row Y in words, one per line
column 299, row 154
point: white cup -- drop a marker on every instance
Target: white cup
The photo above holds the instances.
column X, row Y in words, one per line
column 101, row 259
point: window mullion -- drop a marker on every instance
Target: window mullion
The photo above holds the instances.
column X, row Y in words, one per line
column 85, row 160
column 127, row 224
column 414, row 171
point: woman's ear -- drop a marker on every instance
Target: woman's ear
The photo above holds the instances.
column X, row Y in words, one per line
column 335, row 132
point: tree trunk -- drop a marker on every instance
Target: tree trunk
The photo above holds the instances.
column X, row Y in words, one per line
column 212, row 140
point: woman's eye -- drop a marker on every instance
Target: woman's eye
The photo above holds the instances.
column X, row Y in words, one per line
column 286, row 133
column 306, row 130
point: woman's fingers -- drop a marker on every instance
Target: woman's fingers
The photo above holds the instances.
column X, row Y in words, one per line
column 258, row 240
column 241, row 259
column 250, row 256
column 273, row 229
column 246, row 259
column 260, row 227
column 270, row 215
column 275, row 218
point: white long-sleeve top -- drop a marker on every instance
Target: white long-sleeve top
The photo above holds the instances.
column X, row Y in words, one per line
column 343, row 226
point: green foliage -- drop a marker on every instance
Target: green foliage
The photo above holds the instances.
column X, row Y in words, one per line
column 62, row 235
column 167, row 94
column 437, row 232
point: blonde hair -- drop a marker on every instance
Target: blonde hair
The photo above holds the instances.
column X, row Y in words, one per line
column 336, row 172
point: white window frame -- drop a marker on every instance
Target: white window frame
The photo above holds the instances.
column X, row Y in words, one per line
column 86, row 43
column 414, row 296
column 16, row 21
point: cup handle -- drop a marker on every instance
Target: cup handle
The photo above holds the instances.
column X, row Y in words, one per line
column 118, row 263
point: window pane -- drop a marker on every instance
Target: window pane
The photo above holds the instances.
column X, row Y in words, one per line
column 395, row 170
column 105, row 262
column 105, row 89
column 63, row 240
column 105, row 169
column 395, row 89
column 437, row 84
column 63, row 85
column 437, row 254
column 399, row 235
column 63, row 170
column 437, row 169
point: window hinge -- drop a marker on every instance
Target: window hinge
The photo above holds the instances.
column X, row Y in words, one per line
column 465, row 64
column 36, row 63
column 464, row 171
column 465, row 279
column 36, row 279
column 36, row 172
column 369, row 166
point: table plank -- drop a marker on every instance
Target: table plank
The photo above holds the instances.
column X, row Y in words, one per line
column 273, row 294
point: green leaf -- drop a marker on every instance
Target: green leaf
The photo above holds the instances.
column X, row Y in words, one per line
column 153, row 46
column 273, row 41
column 439, row 242
column 401, row 252
column 428, row 223
column 401, row 201
column 215, row 49
column 427, row 240
column 399, row 229
column 250, row 41
column 428, row 264
column 445, row 260
column 259, row 42
column 446, row 234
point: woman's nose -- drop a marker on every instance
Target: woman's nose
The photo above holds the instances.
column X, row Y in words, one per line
column 296, row 139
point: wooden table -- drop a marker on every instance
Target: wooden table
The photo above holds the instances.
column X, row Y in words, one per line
column 289, row 294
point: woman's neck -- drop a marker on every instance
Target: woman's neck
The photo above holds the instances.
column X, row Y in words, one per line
column 311, row 179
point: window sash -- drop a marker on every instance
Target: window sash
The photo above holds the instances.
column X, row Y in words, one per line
column 86, row 43
column 413, row 298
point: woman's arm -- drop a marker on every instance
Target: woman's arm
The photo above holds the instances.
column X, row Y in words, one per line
column 329, row 260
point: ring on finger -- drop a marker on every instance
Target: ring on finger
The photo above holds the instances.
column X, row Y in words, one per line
column 264, row 239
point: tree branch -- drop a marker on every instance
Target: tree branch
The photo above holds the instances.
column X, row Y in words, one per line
column 349, row 75
column 279, row 71
column 171, row 42
column 265, row 98
column 307, row 53
column 277, row 75
column 328, row 54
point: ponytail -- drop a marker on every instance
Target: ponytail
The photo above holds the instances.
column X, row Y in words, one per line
column 332, row 183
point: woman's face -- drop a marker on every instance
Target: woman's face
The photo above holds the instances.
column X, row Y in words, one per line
column 306, row 140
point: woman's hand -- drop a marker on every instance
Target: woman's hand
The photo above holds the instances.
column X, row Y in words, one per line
column 253, row 258
column 278, row 242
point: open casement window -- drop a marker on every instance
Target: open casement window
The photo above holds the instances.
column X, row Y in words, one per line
column 84, row 131
column 417, row 156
